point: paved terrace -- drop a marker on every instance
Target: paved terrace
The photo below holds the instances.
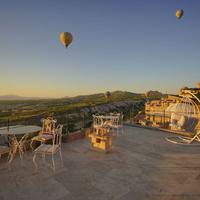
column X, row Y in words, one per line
column 142, row 165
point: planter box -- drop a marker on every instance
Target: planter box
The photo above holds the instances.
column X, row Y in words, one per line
column 73, row 136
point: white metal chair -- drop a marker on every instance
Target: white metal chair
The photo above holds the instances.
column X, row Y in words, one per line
column 117, row 123
column 50, row 149
column 46, row 134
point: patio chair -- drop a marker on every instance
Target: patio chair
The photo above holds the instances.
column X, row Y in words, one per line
column 46, row 134
column 117, row 124
column 50, row 149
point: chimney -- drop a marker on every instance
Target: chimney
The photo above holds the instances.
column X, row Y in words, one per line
column 198, row 85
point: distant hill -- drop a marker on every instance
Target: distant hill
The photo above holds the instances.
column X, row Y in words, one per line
column 124, row 95
column 153, row 94
column 115, row 96
column 16, row 97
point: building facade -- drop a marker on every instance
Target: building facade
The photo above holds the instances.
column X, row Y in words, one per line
column 155, row 110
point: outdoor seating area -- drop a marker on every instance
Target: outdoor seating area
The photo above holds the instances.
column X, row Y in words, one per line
column 141, row 165
column 136, row 162
column 47, row 139
column 104, row 128
column 14, row 140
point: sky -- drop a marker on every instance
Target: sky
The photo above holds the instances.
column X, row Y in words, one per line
column 129, row 45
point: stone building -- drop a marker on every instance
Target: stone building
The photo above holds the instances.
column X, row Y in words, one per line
column 156, row 111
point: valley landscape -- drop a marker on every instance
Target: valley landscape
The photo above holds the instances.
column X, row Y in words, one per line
column 70, row 111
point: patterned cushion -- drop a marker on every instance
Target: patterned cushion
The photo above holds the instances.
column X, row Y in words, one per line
column 42, row 138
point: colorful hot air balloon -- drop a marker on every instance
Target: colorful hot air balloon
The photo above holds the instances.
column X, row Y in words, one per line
column 179, row 13
column 66, row 38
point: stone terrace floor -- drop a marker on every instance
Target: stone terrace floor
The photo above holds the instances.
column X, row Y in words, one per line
column 142, row 165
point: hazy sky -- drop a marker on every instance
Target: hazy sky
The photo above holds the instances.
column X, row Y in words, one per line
column 132, row 45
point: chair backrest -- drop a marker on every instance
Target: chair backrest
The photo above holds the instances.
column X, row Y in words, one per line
column 115, row 121
column 48, row 125
column 57, row 136
column 97, row 121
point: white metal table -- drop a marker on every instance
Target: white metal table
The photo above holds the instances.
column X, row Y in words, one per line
column 18, row 145
column 107, row 119
column 19, row 130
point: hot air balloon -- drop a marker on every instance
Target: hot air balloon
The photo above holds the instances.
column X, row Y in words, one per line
column 107, row 94
column 66, row 38
column 179, row 13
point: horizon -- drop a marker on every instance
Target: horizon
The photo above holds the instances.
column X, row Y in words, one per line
column 89, row 94
column 98, row 92
column 15, row 95
column 133, row 46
